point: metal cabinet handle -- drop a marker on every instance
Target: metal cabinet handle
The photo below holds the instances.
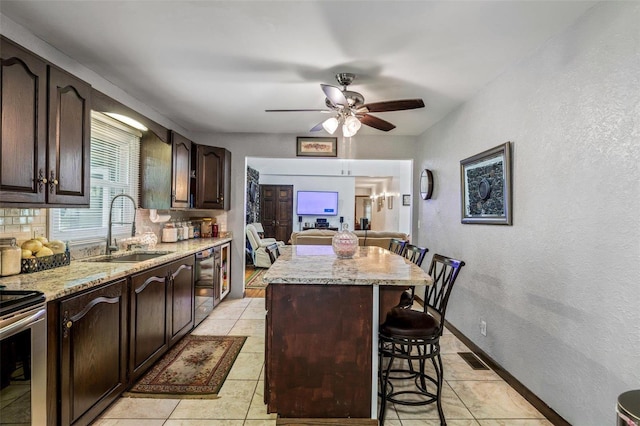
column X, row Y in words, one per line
column 42, row 180
column 52, row 182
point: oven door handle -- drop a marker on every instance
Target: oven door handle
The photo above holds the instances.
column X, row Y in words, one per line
column 22, row 324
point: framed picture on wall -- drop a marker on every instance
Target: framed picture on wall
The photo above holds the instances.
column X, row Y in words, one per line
column 316, row 147
column 406, row 199
column 485, row 187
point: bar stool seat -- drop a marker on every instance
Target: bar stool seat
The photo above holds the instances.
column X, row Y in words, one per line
column 407, row 323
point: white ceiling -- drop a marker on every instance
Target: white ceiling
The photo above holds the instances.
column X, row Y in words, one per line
column 215, row 66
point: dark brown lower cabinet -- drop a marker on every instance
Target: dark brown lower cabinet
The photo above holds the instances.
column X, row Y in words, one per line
column 149, row 338
column 161, row 312
column 93, row 349
column 100, row 341
column 182, row 298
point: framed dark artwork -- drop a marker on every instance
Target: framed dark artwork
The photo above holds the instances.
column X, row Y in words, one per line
column 485, row 187
column 316, row 147
column 406, row 199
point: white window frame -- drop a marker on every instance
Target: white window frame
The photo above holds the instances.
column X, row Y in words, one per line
column 123, row 209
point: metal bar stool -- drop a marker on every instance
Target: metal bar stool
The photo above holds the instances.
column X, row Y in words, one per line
column 415, row 255
column 412, row 335
column 397, row 246
column 273, row 251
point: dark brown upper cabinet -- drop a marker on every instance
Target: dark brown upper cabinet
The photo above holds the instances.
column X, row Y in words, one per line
column 212, row 177
column 165, row 170
column 45, row 147
column 181, row 171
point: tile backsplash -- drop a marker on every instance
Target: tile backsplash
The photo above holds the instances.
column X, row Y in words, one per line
column 23, row 223
column 26, row 223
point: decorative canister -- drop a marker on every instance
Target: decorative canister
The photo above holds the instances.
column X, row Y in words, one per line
column 345, row 243
column 169, row 233
column 206, row 230
column 10, row 257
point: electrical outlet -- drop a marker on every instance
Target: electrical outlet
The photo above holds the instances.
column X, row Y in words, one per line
column 483, row 327
column 418, row 223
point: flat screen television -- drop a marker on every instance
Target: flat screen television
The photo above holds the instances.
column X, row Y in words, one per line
column 317, row 203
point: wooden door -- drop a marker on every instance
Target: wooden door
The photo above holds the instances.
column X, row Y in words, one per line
column 181, row 171
column 213, row 178
column 23, row 132
column 93, row 363
column 149, row 322
column 276, row 211
column 69, row 143
column 182, row 298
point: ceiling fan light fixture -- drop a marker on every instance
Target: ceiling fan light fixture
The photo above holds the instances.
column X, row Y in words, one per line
column 351, row 126
column 331, row 124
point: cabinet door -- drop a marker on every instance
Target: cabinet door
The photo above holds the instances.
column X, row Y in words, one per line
column 23, row 131
column 181, row 174
column 213, row 178
column 93, row 351
column 149, row 320
column 182, row 298
column 69, row 139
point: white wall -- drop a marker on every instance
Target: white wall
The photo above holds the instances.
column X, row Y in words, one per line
column 559, row 289
column 343, row 184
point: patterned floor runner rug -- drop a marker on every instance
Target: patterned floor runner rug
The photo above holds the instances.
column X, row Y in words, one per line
column 254, row 280
column 195, row 367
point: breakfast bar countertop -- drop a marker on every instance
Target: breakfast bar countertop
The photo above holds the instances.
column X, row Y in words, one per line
column 85, row 273
column 313, row 264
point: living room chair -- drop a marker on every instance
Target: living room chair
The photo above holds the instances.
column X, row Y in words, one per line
column 412, row 335
column 258, row 247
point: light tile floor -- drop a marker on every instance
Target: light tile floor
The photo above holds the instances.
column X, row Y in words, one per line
column 470, row 397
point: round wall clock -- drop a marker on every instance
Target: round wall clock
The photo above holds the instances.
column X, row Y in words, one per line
column 426, row 184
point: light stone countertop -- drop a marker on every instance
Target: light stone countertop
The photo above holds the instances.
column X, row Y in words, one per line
column 82, row 274
column 310, row 264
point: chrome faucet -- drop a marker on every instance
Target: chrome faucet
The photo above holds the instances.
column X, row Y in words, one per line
column 112, row 248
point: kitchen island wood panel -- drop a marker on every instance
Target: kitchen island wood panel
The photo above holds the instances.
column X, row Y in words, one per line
column 320, row 350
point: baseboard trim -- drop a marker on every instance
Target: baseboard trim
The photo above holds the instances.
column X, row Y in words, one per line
column 539, row 404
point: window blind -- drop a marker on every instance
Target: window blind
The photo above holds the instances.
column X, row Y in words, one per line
column 115, row 153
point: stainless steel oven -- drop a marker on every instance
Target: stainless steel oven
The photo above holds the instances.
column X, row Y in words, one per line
column 23, row 357
column 207, row 276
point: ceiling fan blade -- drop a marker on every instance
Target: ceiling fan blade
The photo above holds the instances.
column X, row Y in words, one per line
column 317, row 127
column 298, row 110
column 376, row 123
column 399, row 105
column 335, row 95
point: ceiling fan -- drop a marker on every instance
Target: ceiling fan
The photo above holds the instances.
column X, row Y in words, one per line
column 349, row 110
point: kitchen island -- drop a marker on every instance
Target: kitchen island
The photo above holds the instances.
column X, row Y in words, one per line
column 322, row 323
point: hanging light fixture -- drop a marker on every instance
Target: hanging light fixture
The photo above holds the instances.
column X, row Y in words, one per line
column 351, row 126
column 331, row 124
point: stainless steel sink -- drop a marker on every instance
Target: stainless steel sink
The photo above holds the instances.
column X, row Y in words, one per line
column 138, row 256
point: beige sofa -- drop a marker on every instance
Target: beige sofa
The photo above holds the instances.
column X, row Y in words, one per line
column 365, row 238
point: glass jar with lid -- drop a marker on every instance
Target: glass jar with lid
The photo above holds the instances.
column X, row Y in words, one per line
column 345, row 243
column 169, row 233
